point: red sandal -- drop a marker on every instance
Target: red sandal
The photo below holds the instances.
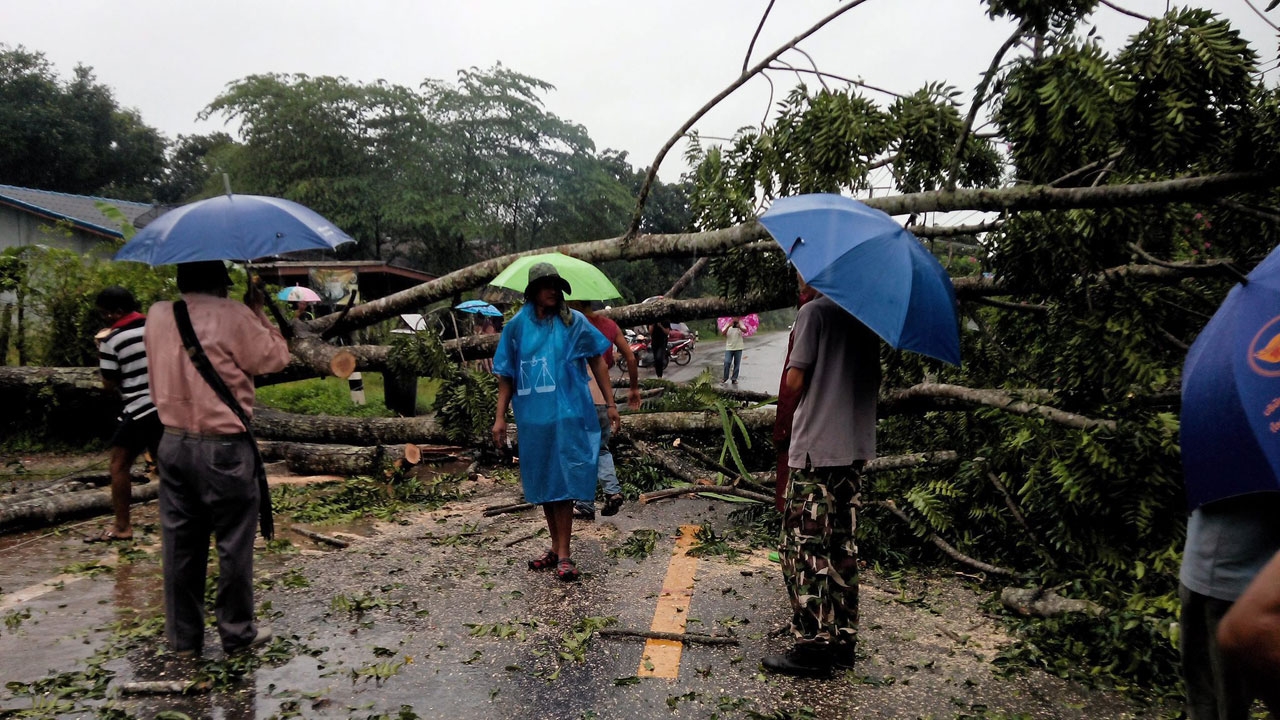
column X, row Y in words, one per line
column 546, row 561
column 567, row 570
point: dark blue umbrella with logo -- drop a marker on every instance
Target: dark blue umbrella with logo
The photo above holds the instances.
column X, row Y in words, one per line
column 1230, row 429
column 872, row 267
column 231, row 227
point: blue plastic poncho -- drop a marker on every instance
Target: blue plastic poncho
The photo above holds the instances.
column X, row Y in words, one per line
column 559, row 429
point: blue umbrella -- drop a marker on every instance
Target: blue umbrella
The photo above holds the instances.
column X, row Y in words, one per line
column 479, row 307
column 231, row 227
column 873, row 268
column 1230, row 430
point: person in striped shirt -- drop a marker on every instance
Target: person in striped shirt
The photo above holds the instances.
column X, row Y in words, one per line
column 122, row 360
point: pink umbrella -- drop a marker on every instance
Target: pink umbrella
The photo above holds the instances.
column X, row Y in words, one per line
column 297, row 293
column 750, row 323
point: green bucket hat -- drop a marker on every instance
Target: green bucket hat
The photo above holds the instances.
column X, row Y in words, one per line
column 543, row 271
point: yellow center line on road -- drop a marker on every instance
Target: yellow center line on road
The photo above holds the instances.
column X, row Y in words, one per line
column 661, row 658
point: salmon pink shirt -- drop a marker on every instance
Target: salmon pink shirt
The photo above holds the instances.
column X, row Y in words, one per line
column 240, row 344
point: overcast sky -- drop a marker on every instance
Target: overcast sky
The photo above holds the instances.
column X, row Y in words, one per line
column 631, row 72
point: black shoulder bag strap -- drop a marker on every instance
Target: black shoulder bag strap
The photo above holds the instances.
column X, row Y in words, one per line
column 211, row 376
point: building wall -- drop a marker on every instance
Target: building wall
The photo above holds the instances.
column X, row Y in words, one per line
column 20, row 229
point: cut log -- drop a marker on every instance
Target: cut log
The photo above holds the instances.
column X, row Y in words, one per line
column 343, row 364
column 312, row 459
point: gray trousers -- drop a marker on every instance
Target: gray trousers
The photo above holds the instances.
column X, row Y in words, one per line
column 207, row 486
column 1213, row 692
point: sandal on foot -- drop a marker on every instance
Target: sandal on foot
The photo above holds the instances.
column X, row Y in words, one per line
column 109, row 535
column 546, row 561
column 567, row 570
column 612, row 504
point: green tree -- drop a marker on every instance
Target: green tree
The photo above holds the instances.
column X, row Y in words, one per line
column 71, row 136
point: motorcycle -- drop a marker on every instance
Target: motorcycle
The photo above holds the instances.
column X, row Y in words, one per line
column 679, row 350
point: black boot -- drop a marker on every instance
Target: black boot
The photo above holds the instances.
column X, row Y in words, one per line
column 811, row 660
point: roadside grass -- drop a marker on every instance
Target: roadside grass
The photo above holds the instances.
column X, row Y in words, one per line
column 332, row 396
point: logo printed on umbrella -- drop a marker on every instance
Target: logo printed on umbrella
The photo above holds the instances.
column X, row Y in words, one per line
column 1265, row 360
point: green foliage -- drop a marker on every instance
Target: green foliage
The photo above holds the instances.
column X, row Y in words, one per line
column 467, row 397
column 638, row 546
column 323, row 396
column 365, row 496
column 440, row 175
column 55, row 291
column 1042, row 15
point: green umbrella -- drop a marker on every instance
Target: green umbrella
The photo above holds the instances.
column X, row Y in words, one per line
column 585, row 279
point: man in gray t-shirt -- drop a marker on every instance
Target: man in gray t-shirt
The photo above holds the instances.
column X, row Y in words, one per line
column 835, row 365
column 1228, row 542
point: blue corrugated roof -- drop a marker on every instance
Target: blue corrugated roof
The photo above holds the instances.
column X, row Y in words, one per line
column 78, row 209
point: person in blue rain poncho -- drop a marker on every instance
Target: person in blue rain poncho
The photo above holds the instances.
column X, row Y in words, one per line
column 542, row 361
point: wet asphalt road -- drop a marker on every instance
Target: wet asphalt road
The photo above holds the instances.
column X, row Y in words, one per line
column 761, row 362
column 437, row 616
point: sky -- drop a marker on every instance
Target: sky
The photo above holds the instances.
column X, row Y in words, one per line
column 631, row 72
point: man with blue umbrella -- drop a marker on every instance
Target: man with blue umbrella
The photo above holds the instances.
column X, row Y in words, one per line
column 874, row 281
column 208, row 462
column 835, row 368
column 203, row 352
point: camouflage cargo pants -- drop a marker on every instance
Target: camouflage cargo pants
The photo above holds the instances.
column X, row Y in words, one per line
column 819, row 554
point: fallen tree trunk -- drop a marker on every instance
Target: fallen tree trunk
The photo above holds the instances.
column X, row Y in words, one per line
column 48, row 510
column 276, row 425
column 718, row 242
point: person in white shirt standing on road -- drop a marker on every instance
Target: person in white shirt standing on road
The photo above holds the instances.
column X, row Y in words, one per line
column 733, row 346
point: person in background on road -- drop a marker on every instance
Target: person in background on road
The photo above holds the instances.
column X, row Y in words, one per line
column 604, row 467
column 658, row 333
column 1249, row 635
column 733, row 346
column 207, row 459
column 786, row 410
column 1228, row 543
column 542, row 361
column 835, row 368
column 122, row 360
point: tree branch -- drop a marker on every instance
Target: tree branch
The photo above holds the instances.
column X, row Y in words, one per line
column 940, row 231
column 1130, row 13
column 947, row 548
column 634, row 227
column 833, row 76
column 746, row 61
column 979, row 97
column 898, row 401
column 688, row 277
column 1030, row 307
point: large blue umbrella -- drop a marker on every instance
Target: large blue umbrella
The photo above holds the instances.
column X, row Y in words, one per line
column 231, row 227
column 1230, row 430
column 478, row 307
column 873, row 268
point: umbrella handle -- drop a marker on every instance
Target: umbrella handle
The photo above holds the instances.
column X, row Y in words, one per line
column 285, row 328
column 270, row 302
